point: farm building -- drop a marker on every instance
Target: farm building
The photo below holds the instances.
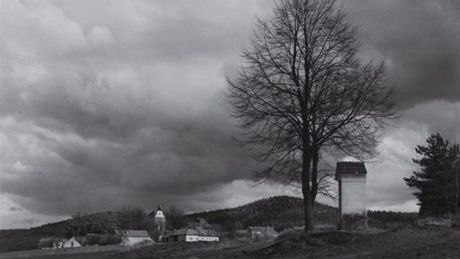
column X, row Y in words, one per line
column 261, row 232
column 66, row 243
column 135, row 237
column 351, row 177
column 191, row 235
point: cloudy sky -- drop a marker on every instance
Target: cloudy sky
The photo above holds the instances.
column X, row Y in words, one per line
column 108, row 104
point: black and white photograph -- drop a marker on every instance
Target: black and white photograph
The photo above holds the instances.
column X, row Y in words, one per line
column 252, row 129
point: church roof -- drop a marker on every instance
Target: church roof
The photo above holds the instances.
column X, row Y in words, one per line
column 357, row 168
column 154, row 212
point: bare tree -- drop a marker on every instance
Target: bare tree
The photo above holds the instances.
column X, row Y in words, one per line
column 303, row 89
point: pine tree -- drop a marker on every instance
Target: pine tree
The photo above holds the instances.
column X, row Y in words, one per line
column 437, row 181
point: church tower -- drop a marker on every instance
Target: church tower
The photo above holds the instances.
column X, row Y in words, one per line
column 160, row 220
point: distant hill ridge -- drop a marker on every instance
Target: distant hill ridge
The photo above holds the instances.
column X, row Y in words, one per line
column 278, row 211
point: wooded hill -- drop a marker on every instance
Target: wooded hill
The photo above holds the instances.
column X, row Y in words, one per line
column 280, row 212
column 98, row 223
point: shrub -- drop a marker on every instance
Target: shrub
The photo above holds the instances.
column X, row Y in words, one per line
column 102, row 240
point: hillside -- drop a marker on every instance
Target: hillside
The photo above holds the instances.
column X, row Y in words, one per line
column 106, row 222
column 26, row 239
column 280, row 211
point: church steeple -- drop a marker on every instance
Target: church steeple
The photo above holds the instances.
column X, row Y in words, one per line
column 159, row 213
column 160, row 220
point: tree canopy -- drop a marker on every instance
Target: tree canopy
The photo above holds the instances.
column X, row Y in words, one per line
column 302, row 88
column 437, row 182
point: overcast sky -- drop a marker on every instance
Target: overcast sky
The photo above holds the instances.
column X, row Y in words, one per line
column 109, row 104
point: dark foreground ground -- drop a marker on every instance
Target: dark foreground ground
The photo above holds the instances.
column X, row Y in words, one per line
column 398, row 242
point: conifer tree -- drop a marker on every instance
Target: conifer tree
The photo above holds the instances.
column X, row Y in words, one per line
column 437, row 180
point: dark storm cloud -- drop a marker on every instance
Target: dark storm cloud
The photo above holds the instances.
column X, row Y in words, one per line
column 418, row 40
column 127, row 110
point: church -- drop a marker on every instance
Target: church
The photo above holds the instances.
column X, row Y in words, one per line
column 189, row 234
column 159, row 224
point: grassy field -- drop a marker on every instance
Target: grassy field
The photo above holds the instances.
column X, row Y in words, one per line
column 78, row 252
column 398, row 241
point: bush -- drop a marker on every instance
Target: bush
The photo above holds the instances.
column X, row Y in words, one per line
column 391, row 216
column 92, row 239
column 102, row 240
column 110, row 240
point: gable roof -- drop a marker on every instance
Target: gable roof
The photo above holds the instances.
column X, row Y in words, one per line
column 135, row 233
column 192, row 231
column 72, row 239
column 350, row 168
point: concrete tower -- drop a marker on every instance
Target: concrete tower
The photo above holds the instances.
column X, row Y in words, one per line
column 352, row 195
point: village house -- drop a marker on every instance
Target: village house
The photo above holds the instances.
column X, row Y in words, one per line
column 135, row 237
column 66, row 243
column 191, row 235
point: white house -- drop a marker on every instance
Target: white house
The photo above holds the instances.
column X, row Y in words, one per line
column 135, row 237
column 66, row 243
column 191, row 235
column 351, row 177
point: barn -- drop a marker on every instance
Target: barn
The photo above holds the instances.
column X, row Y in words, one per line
column 135, row 237
column 66, row 243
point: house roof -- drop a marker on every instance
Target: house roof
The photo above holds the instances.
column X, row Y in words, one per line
column 135, row 233
column 357, row 168
column 192, row 231
column 72, row 239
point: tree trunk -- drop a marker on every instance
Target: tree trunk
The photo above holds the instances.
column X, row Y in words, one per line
column 306, row 191
column 457, row 189
column 314, row 178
